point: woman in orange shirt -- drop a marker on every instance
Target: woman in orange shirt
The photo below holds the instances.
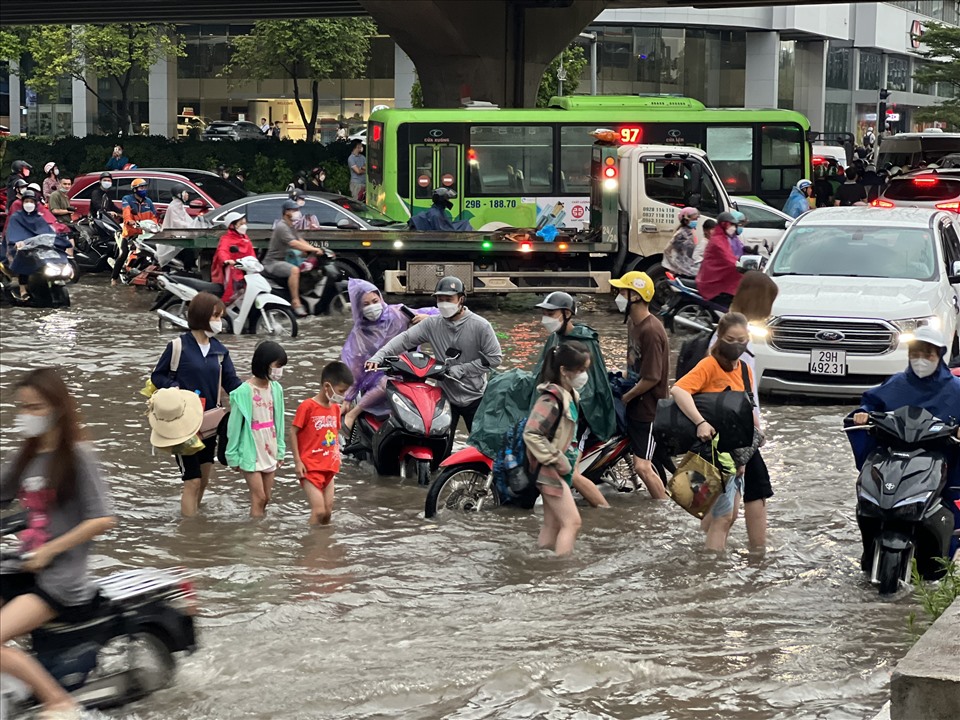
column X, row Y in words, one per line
column 717, row 372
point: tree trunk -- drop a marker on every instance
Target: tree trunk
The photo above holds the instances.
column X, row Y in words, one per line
column 123, row 83
column 303, row 114
column 312, row 129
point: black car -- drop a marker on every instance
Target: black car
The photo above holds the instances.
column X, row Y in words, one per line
column 236, row 130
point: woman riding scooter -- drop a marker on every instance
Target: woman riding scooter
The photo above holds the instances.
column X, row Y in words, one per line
column 719, row 278
column 234, row 244
column 26, row 223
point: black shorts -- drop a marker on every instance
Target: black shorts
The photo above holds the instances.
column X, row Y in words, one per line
column 642, row 444
column 756, row 480
column 190, row 464
column 24, row 583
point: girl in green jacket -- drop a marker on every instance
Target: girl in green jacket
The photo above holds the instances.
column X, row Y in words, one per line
column 255, row 444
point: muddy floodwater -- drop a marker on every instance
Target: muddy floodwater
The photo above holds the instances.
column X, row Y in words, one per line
column 386, row 615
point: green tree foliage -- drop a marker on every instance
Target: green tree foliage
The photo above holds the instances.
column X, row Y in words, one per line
column 416, row 94
column 574, row 61
column 942, row 52
column 308, row 51
column 121, row 52
column 13, row 43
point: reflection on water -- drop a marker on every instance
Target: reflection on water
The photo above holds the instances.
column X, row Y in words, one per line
column 385, row 615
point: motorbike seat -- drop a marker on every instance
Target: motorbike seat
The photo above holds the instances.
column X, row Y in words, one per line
column 198, row 284
column 689, row 282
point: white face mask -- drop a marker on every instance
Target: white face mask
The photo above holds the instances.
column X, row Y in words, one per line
column 216, row 326
column 448, row 309
column 731, row 230
column 373, row 312
column 334, row 397
column 32, row 426
column 579, row 380
column 276, row 373
column 923, row 367
column 295, row 216
column 242, row 229
column 106, row 184
column 551, row 324
column 29, row 207
column 622, row 303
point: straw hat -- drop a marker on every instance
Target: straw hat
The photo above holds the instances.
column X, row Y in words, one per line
column 175, row 416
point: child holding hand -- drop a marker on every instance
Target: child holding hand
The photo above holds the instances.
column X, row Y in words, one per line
column 315, row 440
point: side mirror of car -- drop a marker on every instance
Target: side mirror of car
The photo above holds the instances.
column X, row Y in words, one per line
column 347, row 224
column 955, row 273
column 199, row 204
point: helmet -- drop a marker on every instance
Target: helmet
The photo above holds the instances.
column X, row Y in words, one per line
column 231, row 217
column 290, row 205
column 48, row 167
column 639, row 282
column 177, row 189
column 28, row 193
column 138, row 182
column 559, row 301
column 727, row 217
column 929, row 335
column 689, row 212
column 739, row 216
column 445, row 193
column 19, row 165
column 449, row 285
column 296, row 194
column 106, row 176
column 35, row 187
column 19, row 184
column 803, row 184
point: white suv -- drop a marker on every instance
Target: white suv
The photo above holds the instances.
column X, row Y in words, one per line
column 855, row 282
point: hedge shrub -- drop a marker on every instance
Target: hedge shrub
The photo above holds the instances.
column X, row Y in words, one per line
column 269, row 164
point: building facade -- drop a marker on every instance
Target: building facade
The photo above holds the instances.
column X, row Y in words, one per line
column 826, row 61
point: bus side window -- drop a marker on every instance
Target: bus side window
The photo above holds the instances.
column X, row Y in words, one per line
column 510, row 159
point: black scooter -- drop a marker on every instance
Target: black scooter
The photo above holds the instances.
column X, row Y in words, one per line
column 123, row 652
column 687, row 310
column 97, row 237
column 49, row 272
column 900, row 506
column 323, row 288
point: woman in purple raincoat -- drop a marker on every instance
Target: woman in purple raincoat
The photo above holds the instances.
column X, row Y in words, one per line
column 374, row 324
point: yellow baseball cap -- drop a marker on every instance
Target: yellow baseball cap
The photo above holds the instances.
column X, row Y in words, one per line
column 639, row 282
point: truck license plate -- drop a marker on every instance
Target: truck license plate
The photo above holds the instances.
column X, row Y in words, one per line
column 828, row 362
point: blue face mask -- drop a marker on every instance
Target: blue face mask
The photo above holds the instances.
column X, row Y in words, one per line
column 141, row 192
column 692, row 225
column 739, row 230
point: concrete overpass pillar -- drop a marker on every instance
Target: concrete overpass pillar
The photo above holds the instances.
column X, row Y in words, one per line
column 810, row 85
column 494, row 51
column 763, row 70
column 162, row 96
column 404, row 73
column 15, row 116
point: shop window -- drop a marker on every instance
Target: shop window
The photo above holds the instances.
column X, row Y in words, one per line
column 871, row 70
column 838, row 68
column 511, row 159
column 898, row 70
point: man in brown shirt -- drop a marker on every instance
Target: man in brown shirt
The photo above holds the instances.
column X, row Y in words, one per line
column 648, row 358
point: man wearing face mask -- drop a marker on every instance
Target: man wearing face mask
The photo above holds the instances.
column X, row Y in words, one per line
column 648, row 363
column 101, row 200
column 19, row 170
column 137, row 207
column 283, row 239
column 462, row 340
column 926, row 383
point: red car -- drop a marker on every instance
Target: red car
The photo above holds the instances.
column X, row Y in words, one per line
column 208, row 186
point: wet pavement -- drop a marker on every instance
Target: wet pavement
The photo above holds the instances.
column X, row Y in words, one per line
column 386, row 615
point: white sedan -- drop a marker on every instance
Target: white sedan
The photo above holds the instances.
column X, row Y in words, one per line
column 765, row 224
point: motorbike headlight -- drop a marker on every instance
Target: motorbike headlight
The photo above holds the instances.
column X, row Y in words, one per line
column 407, row 414
column 441, row 418
column 51, row 271
column 909, row 326
column 66, row 272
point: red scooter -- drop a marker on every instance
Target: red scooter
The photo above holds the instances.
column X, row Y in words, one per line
column 413, row 440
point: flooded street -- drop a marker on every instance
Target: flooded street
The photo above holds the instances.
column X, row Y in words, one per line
column 386, row 615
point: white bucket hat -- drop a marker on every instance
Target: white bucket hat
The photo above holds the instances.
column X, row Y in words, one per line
column 175, row 416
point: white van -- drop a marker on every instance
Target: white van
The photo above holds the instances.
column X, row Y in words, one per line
column 915, row 150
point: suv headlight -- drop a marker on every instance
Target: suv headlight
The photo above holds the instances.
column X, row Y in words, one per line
column 909, row 326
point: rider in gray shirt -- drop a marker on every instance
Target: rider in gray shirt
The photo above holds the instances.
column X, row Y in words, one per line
column 456, row 331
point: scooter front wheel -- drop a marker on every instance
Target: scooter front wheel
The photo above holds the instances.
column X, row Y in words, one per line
column 695, row 314
column 277, row 321
column 152, row 665
column 340, row 304
column 889, row 571
column 462, row 488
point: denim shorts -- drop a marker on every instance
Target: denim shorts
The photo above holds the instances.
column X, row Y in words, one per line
column 724, row 504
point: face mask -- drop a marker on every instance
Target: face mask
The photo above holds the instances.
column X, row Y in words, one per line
column 373, row 312
column 141, row 193
column 622, row 303
column 106, row 184
column 739, row 230
column 32, row 426
column 29, row 207
column 56, row 171
column 448, row 309
column 333, row 397
column 216, row 326
column 692, row 225
column 551, row 324
column 578, row 381
column 295, row 216
column 730, row 350
column 242, row 229
column 923, row 367
column 184, row 198
column 730, row 230
column 276, row 373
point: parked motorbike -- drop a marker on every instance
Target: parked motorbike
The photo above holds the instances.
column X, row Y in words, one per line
column 254, row 309
column 323, row 290
column 50, row 272
column 97, row 239
column 416, row 436
column 466, row 482
column 123, row 652
column 901, row 509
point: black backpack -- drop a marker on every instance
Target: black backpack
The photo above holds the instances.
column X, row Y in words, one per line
column 691, row 352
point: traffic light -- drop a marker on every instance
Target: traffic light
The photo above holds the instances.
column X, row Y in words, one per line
column 882, row 110
column 884, row 94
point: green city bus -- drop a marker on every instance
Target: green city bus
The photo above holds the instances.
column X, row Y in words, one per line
column 509, row 166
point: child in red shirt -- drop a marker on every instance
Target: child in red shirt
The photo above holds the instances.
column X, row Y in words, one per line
column 315, row 440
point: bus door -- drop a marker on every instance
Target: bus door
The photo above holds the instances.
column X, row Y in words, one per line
column 435, row 166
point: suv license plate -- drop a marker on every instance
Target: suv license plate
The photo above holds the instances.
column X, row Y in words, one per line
column 828, row 362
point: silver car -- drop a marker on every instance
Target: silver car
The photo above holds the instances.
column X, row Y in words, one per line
column 936, row 189
column 332, row 211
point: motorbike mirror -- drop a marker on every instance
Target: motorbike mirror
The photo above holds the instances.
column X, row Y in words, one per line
column 347, row 224
column 453, row 353
column 750, row 262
